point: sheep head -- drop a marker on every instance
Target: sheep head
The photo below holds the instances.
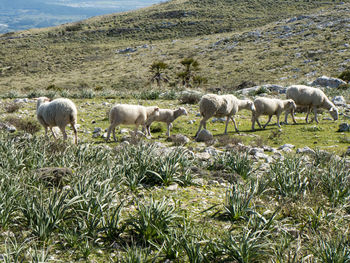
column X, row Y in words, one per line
column 334, row 113
column 182, row 111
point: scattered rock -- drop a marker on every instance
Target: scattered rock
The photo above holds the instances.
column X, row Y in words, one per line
column 306, row 150
column 172, row 187
column 204, row 136
column 344, row 127
column 97, row 130
column 203, row 156
column 286, row 146
column 127, row 50
column 339, row 101
column 347, row 151
column 255, row 150
column 8, row 127
column 325, row 81
column 179, row 139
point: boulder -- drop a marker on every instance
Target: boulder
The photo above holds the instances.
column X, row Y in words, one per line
column 339, row 101
column 325, row 81
column 179, row 139
column 306, row 150
column 54, row 176
column 204, row 136
column 344, row 127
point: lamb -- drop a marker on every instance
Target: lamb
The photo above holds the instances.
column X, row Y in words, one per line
column 221, row 105
column 270, row 107
column 167, row 116
column 59, row 112
column 312, row 98
column 129, row 114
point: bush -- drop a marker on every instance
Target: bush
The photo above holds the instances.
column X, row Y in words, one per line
column 345, row 75
column 27, row 125
column 190, row 97
column 11, row 107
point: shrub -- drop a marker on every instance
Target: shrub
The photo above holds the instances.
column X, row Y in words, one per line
column 345, row 75
column 11, row 107
column 27, row 125
column 190, row 97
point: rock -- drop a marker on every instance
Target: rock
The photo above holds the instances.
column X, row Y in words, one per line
column 325, row 81
column 54, row 176
column 127, row 50
column 104, row 136
column 339, row 101
column 96, row 135
column 11, row 128
column 255, row 150
column 124, row 131
column 204, row 136
column 172, row 187
column 97, row 130
column 306, row 150
column 179, row 139
column 203, row 156
column 211, row 150
column 191, row 121
column 286, row 146
column 344, row 127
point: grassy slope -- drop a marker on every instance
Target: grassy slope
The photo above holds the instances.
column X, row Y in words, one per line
column 233, row 41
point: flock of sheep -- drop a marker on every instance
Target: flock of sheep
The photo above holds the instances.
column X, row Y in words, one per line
column 61, row 112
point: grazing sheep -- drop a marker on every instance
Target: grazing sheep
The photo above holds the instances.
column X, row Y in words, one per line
column 312, row 98
column 167, row 116
column 59, row 112
column 129, row 114
column 270, row 107
column 219, row 106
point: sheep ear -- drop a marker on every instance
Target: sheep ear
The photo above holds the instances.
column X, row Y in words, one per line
column 252, row 107
column 156, row 109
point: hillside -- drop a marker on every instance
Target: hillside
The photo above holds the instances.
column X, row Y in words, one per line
column 234, row 41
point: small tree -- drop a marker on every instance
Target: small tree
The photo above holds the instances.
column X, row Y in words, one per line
column 188, row 76
column 157, row 69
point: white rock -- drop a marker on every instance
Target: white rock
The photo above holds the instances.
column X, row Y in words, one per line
column 325, row 81
column 306, row 150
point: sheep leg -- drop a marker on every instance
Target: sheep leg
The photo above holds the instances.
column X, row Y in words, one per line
column 234, row 123
column 286, row 117
column 53, row 133
column 270, row 116
column 168, row 129
column 148, row 130
column 293, row 116
column 315, row 112
column 227, row 120
column 307, row 115
column 110, row 128
column 202, row 123
column 278, row 121
column 75, row 133
column 63, row 130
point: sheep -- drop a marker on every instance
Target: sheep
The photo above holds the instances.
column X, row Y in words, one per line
column 59, row 112
column 129, row 114
column 312, row 98
column 219, row 106
column 167, row 116
column 270, row 107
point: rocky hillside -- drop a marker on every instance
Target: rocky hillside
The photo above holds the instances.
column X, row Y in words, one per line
column 236, row 41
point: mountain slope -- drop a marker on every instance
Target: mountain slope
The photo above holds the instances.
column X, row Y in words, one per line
column 86, row 56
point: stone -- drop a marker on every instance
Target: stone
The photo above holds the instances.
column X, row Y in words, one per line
column 124, row 131
column 204, row 136
column 179, row 139
column 203, row 156
column 255, row 150
column 286, row 146
column 344, row 127
column 96, row 135
column 306, row 150
column 97, row 130
column 325, row 81
column 11, row 128
column 339, row 101
column 172, row 187
column 347, row 151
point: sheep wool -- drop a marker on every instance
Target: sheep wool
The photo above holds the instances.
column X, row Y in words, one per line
column 270, row 107
column 59, row 112
column 129, row 115
column 313, row 98
column 221, row 106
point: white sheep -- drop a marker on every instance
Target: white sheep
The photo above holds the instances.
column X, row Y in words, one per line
column 59, row 112
column 129, row 114
column 220, row 106
column 270, row 107
column 312, row 98
column 167, row 116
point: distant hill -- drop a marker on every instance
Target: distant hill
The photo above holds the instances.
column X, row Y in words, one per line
column 235, row 41
column 25, row 14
